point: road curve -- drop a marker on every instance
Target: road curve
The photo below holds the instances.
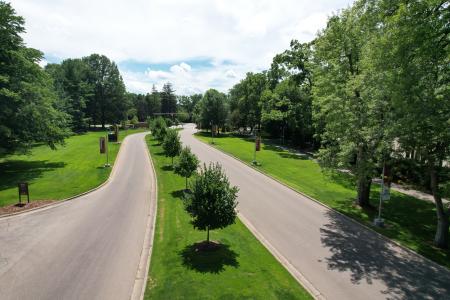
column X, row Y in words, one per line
column 86, row 248
column 341, row 259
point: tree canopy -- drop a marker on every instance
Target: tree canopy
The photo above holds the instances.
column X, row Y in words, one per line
column 212, row 202
column 28, row 108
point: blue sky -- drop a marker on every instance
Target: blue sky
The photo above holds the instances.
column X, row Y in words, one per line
column 195, row 44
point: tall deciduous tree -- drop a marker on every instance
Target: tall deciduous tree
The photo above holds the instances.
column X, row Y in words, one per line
column 213, row 109
column 245, row 97
column 108, row 102
column 413, row 55
column 213, row 200
column 28, row 111
column 353, row 127
column 70, row 81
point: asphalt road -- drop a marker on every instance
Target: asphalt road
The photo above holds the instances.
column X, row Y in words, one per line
column 86, row 248
column 341, row 259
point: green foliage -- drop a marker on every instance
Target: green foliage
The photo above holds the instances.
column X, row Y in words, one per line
column 69, row 79
column 187, row 104
column 28, row 106
column 179, row 271
column 415, row 42
column 171, row 144
column 213, row 109
column 168, row 99
column 245, row 99
column 158, row 127
column 187, row 164
column 108, row 103
column 213, row 201
column 354, row 121
column 409, row 221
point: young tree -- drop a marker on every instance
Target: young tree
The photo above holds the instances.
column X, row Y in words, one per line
column 172, row 144
column 213, row 200
column 187, row 164
column 159, row 128
column 28, row 104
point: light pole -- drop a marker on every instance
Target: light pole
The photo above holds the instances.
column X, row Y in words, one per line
column 212, row 132
column 384, row 195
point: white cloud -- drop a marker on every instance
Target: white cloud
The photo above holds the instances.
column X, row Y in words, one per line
column 248, row 33
column 230, row 74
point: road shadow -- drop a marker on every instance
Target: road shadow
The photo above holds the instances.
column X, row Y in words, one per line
column 195, row 257
column 15, row 171
column 369, row 258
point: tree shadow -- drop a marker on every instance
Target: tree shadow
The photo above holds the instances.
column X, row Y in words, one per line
column 369, row 258
column 15, row 171
column 293, row 155
column 179, row 194
column 195, row 257
column 284, row 153
column 167, row 168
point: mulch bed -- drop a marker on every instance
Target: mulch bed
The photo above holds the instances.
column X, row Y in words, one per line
column 23, row 207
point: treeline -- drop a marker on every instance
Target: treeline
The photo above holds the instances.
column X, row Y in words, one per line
column 371, row 91
column 45, row 105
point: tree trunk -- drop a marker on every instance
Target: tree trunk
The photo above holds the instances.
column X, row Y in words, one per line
column 207, row 234
column 186, row 183
column 363, row 196
column 441, row 237
column 172, row 161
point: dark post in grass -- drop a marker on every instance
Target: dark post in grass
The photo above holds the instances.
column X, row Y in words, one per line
column 212, row 202
column 23, row 190
column 257, row 147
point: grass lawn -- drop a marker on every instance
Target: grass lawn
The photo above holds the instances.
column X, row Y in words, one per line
column 57, row 174
column 241, row 269
column 410, row 221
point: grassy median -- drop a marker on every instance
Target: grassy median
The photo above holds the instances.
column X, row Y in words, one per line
column 241, row 269
column 410, row 221
column 57, row 174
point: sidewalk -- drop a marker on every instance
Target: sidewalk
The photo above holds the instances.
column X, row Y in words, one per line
column 411, row 192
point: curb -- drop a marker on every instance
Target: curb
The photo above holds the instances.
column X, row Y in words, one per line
column 63, row 201
column 140, row 282
column 283, row 260
column 410, row 251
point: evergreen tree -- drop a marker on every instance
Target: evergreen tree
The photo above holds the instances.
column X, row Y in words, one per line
column 168, row 99
column 153, row 102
